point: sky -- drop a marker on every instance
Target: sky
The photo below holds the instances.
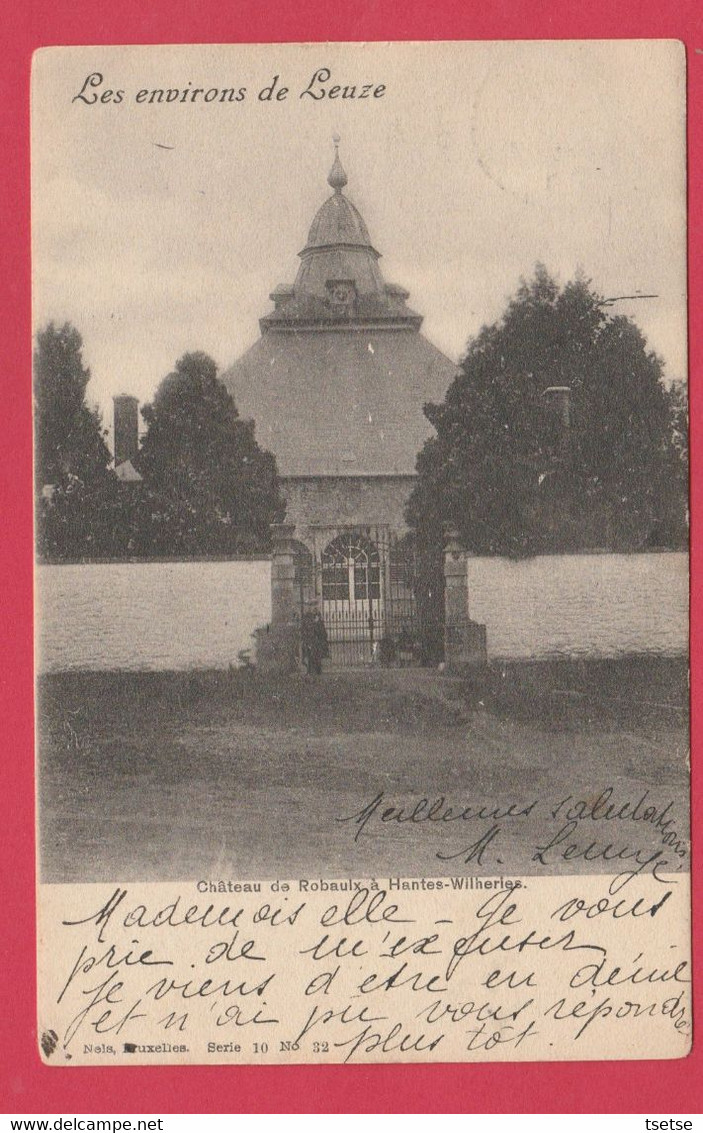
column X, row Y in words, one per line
column 159, row 229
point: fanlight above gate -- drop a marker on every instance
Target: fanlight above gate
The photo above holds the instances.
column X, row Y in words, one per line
column 351, row 569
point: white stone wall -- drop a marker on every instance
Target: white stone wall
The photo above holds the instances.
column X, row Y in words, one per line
column 169, row 615
column 597, row 605
column 197, row 615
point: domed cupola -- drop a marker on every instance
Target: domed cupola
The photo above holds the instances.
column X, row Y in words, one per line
column 339, row 248
column 338, row 221
column 339, row 280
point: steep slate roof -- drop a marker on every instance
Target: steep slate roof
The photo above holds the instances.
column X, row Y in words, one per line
column 338, row 379
column 340, row 403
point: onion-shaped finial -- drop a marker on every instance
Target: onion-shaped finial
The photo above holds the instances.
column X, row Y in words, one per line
column 337, row 177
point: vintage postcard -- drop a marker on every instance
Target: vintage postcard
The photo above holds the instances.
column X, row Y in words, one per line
column 361, row 479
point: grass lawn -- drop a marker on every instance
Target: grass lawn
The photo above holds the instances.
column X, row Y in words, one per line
column 148, row 776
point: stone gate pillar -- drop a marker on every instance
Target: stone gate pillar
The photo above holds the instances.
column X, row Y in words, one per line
column 278, row 644
column 284, row 608
column 464, row 639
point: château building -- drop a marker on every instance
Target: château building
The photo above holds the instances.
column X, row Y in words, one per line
column 336, row 385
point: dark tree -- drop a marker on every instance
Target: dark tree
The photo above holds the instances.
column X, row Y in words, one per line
column 208, row 487
column 69, row 441
column 74, row 486
column 519, row 473
column 677, row 397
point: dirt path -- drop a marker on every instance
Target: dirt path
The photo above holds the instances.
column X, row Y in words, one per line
column 149, row 777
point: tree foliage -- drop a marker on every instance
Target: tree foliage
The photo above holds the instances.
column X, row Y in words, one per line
column 69, row 441
column 74, row 486
column 677, row 397
column 512, row 478
column 208, row 487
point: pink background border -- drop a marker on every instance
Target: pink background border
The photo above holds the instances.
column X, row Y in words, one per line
column 26, row 1086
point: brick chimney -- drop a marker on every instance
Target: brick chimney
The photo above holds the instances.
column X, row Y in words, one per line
column 126, row 418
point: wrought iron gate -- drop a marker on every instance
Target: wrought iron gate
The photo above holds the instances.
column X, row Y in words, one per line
column 365, row 583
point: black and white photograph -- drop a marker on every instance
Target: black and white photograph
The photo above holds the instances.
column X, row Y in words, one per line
column 361, row 467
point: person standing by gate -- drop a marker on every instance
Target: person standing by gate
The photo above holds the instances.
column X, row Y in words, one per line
column 315, row 643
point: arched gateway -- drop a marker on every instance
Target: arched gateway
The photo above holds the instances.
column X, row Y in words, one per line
column 363, row 581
